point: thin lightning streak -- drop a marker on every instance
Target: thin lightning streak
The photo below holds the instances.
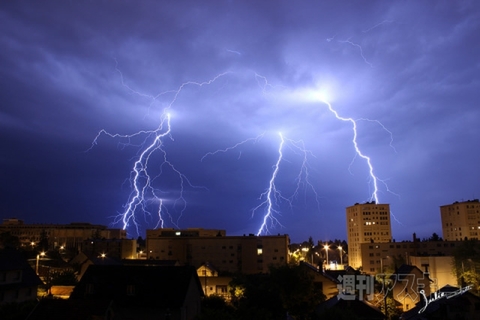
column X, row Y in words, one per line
column 175, row 92
column 140, row 171
column 359, row 48
column 304, row 174
column 234, row 146
column 359, row 153
column 271, row 195
column 378, row 25
column 384, row 128
column 141, row 179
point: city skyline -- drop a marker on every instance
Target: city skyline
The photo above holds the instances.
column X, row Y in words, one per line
column 259, row 97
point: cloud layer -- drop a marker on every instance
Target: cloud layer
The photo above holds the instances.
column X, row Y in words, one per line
column 229, row 71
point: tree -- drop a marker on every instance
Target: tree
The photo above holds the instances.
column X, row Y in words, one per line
column 466, row 264
column 43, row 243
column 9, row 241
column 270, row 296
column 435, row 237
column 215, row 307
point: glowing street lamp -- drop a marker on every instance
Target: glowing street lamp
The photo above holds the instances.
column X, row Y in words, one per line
column 42, row 254
column 341, row 255
column 326, row 251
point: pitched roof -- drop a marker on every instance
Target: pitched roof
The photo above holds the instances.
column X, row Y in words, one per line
column 358, row 307
column 454, row 296
column 60, row 309
column 11, row 259
column 160, row 286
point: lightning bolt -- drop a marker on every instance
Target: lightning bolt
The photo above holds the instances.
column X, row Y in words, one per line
column 143, row 191
column 374, row 195
column 255, row 140
column 359, row 48
column 271, row 195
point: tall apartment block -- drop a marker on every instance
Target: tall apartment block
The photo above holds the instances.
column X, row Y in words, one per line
column 247, row 254
column 461, row 220
column 366, row 223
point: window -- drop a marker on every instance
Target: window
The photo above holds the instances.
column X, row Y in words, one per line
column 222, row 289
column 89, row 289
column 17, row 275
column 130, row 290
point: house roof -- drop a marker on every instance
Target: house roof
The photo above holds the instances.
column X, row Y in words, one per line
column 453, row 297
column 60, row 309
column 313, row 269
column 358, row 307
column 158, row 286
column 10, row 260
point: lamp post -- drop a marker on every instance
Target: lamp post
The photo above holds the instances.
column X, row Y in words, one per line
column 326, row 252
column 341, row 255
column 305, row 250
column 38, row 258
column 384, row 287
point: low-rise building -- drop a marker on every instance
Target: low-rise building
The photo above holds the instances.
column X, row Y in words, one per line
column 246, row 254
column 113, row 248
column 440, row 269
column 212, row 283
column 376, row 257
column 18, row 281
column 58, row 235
column 448, row 302
column 143, row 292
column 322, row 281
column 407, row 283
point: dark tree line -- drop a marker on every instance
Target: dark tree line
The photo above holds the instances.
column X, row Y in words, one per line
column 285, row 290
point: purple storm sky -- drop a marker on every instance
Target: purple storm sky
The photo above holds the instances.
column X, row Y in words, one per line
column 69, row 69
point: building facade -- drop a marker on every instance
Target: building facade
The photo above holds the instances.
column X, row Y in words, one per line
column 58, row 235
column 246, row 254
column 112, row 248
column 18, row 281
column 461, row 220
column 366, row 223
column 378, row 257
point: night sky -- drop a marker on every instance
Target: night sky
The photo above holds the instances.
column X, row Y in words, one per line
column 233, row 75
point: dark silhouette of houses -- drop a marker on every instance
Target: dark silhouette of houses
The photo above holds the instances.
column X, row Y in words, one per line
column 18, row 281
column 143, row 292
column 322, row 281
column 338, row 307
column 60, row 309
column 447, row 303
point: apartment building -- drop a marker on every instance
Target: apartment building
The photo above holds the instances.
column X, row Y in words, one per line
column 66, row 235
column 377, row 257
column 366, row 223
column 461, row 220
column 247, row 253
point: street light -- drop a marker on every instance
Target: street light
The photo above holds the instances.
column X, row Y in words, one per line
column 326, row 251
column 341, row 255
column 305, row 250
column 38, row 258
